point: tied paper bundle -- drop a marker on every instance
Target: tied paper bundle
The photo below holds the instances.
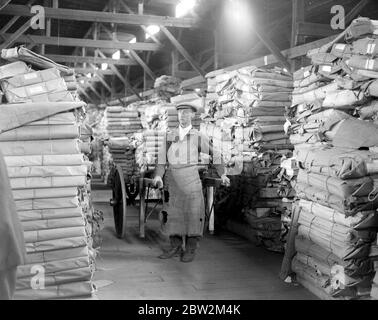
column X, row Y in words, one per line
column 119, row 125
column 159, row 116
column 151, row 144
column 167, row 87
column 332, row 123
column 49, row 177
column 267, row 199
column 33, row 78
column 244, row 117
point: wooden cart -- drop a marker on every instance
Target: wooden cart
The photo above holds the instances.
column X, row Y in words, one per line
column 122, row 196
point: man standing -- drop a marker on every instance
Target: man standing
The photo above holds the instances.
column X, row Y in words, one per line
column 12, row 246
column 186, row 208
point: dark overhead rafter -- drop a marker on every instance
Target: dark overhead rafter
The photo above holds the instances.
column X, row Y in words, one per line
column 82, row 91
column 102, row 80
column 258, row 62
column 12, row 21
column 272, row 48
column 325, row 30
column 118, row 74
column 315, row 29
column 133, row 55
column 140, row 61
column 104, row 17
column 4, row 3
column 355, row 11
column 85, row 43
column 95, row 60
column 128, row 10
column 93, row 70
column 94, row 90
column 16, row 35
column 183, row 51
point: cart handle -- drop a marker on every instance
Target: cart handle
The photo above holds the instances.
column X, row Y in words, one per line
column 149, row 183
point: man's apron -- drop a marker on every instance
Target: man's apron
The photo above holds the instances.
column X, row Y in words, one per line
column 186, row 208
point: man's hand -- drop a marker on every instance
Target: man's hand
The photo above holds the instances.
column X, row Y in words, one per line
column 225, row 180
column 158, row 182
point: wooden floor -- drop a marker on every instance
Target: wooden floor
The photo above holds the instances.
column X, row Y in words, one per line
column 226, row 267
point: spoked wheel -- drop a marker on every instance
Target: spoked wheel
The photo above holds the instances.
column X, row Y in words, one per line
column 119, row 203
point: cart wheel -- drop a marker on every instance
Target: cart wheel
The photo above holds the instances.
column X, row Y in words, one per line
column 119, row 203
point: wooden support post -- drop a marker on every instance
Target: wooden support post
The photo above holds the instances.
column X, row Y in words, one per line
column 46, row 3
column 298, row 16
column 13, row 38
column 290, row 245
column 210, row 208
column 216, row 48
column 142, row 204
column 175, row 57
column 83, row 55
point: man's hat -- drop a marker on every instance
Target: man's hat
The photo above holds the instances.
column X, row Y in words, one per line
column 195, row 105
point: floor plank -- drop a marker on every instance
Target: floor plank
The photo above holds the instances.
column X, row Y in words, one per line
column 226, row 267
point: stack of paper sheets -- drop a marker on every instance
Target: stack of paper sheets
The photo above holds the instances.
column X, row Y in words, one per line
column 332, row 123
column 49, row 177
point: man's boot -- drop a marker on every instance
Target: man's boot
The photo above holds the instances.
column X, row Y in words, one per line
column 190, row 249
column 174, row 250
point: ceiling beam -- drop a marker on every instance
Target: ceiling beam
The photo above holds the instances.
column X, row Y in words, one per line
column 16, row 35
column 82, row 91
column 4, row 3
column 90, row 29
column 272, row 47
column 94, row 60
column 86, row 43
column 105, row 84
column 140, row 61
column 355, row 11
column 94, row 90
column 12, row 21
column 134, row 55
column 128, row 10
column 314, row 29
column 118, row 74
column 258, row 62
column 104, row 17
column 93, row 70
column 183, row 51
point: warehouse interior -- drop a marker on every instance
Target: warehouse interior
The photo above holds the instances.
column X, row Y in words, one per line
column 98, row 97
